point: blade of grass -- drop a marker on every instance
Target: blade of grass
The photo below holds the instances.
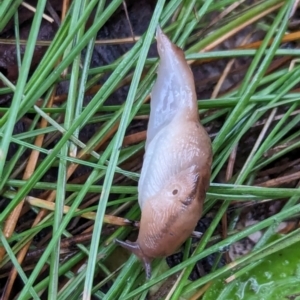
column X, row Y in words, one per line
column 249, row 86
column 78, row 8
column 117, row 143
column 8, row 8
column 12, row 115
column 16, row 264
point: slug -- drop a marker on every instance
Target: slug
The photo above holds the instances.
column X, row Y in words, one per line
column 176, row 170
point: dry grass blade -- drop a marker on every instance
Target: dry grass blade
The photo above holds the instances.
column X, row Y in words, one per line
column 89, row 215
column 32, row 8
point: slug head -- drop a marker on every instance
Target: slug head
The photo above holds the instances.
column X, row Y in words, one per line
column 135, row 249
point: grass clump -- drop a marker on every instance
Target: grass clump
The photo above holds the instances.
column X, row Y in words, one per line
column 261, row 106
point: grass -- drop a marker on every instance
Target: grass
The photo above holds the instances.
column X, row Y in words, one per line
column 267, row 94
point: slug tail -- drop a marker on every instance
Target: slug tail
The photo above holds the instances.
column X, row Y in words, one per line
column 136, row 250
column 173, row 93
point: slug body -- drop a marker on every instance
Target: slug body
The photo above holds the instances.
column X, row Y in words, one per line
column 177, row 163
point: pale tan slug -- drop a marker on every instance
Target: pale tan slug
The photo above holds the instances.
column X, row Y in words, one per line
column 176, row 169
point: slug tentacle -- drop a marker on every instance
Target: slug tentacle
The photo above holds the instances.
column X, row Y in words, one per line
column 176, row 170
column 135, row 249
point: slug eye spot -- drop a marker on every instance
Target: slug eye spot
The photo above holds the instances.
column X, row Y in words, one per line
column 175, row 192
